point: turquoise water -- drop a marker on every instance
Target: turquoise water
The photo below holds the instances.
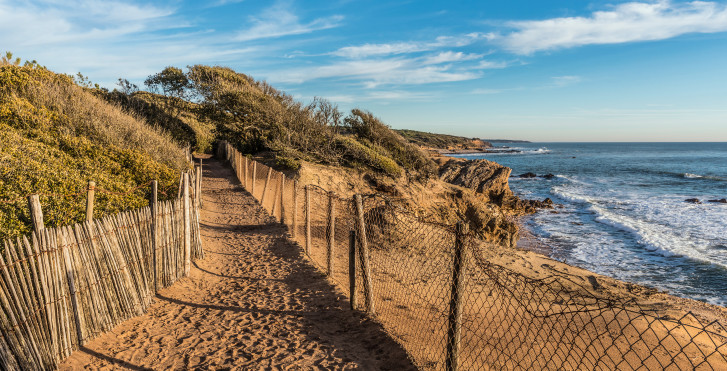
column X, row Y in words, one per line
column 624, row 213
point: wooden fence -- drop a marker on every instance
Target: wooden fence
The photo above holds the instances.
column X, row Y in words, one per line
column 62, row 287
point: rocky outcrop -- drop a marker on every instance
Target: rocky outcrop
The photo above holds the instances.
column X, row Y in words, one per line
column 483, row 176
column 491, row 180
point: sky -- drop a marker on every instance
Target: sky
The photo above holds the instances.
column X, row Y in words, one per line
column 535, row 70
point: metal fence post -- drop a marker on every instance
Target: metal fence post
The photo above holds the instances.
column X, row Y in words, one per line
column 363, row 249
column 454, row 329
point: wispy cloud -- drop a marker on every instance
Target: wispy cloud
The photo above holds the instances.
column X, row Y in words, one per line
column 373, row 73
column 629, row 22
column 48, row 22
column 279, row 21
column 403, row 47
column 560, row 81
column 109, row 39
column 450, row 56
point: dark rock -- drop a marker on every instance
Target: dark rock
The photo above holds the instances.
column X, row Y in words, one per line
column 548, row 176
column 528, row 175
column 721, row 201
column 693, row 200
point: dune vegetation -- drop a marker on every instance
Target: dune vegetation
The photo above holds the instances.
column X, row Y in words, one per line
column 55, row 136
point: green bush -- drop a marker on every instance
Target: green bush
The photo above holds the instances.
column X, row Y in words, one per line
column 56, row 136
column 356, row 153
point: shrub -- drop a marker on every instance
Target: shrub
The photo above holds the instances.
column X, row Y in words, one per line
column 56, row 136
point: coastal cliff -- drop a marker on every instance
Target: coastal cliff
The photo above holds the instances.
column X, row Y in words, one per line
column 489, row 179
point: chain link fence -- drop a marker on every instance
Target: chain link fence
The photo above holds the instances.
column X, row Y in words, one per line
column 438, row 291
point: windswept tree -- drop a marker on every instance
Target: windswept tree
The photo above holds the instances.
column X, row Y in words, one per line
column 8, row 59
column 171, row 82
column 127, row 87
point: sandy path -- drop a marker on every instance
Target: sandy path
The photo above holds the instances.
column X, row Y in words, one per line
column 252, row 303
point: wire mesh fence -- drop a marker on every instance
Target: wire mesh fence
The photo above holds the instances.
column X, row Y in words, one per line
column 438, row 291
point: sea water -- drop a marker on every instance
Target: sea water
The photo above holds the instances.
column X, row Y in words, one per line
column 621, row 210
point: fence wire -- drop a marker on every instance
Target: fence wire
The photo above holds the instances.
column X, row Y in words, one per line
column 441, row 295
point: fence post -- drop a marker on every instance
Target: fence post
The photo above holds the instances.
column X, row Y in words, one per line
column 265, row 188
column 187, row 227
column 71, row 284
column 282, row 198
column 295, row 208
column 199, row 184
column 36, row 213
column 331, row 231
column 275, row 201
column 455, row 304
column 352, row 268
column 307, row 220
column 363, row 249
column 89, row 200
column 154, row 234
column 254, row 175
column 244, row 176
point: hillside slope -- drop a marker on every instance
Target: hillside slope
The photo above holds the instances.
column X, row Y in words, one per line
column 55, row 136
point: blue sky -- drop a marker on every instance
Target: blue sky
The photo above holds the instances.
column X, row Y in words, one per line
column 537, row 70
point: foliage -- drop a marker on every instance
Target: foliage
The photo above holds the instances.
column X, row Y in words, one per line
column 56, row 136
column 442, row 141
column 369, row 128
column 187, row 126
column 356, row 153
column 253, row 116
column 8, row 59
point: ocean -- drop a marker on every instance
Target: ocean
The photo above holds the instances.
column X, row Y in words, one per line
column 623, row 212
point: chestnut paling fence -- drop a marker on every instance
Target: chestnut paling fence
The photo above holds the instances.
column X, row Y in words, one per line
column 61, row 287
column 438, row 291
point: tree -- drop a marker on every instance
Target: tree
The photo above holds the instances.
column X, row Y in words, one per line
column 325, row 113
column 127, row 87
column 8, row 59
column 171, row 82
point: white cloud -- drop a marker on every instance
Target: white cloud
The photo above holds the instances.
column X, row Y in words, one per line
column 369, row 50
column 450, row 56
column 485, row 91
column 50, row 23
column 373, row 73
column 279, row 21
column 107, row 40
column 372, row 50
column 492, row 65
column 629, row 22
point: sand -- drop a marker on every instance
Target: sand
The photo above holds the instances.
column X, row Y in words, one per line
column 254, row 302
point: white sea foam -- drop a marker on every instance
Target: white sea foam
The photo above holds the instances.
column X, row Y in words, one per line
column 664, row 225
column 697, row 176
